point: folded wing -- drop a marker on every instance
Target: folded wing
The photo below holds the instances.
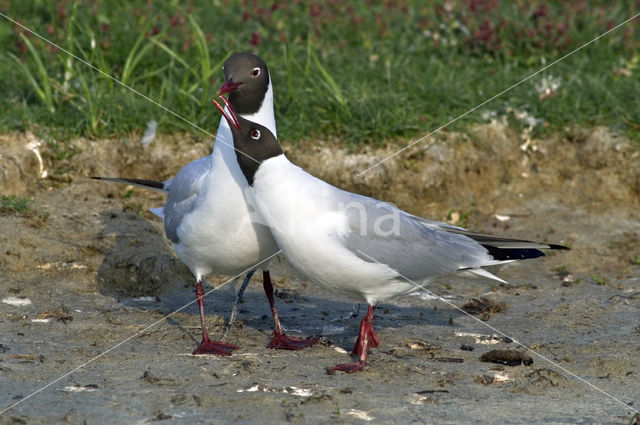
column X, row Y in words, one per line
column 420, row 249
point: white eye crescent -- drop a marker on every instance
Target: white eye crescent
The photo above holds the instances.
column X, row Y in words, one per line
column 255, row 134
column 255, row 71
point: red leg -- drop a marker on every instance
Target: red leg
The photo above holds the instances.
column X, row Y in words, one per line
column 366, row 338
column 208, row 346
column 366, row 330
column 281, row 340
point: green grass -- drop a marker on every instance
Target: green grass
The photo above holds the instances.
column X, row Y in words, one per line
column 600, row 280
column 14, row 204
column 360, row 71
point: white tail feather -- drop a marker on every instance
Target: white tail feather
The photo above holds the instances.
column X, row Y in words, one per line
column 484, row 273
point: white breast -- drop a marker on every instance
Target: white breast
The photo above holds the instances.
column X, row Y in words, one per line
column 219, row 234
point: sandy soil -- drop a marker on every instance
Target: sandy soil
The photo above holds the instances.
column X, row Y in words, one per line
column 90, row 288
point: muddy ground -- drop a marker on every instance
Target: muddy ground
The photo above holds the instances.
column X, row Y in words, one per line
column 87, row 272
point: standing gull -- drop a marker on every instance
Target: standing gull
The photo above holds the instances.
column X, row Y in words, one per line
column 355, row 245
column 206, row 217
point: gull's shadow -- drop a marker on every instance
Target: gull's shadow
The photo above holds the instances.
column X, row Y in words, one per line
column 138, row 262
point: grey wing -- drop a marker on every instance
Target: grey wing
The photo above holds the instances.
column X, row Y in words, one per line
column 183, row 192
column 380, row 232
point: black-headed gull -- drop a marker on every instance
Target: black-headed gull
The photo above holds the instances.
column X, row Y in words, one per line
column 206, row 217
column 355, row 245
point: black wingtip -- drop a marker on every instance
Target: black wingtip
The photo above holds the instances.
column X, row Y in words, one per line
column 147, row 183
column 555, row 246
column 144, row 183
column 504, row 254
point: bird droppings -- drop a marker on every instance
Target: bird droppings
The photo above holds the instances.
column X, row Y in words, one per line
column 430, row 296
column 300, row 392
column 77, row 388
column 416, row 398
column 507, row 357
column 67, row 264
column 359, row 414
column 144, row 299
column 17, row 301
column 485, row 339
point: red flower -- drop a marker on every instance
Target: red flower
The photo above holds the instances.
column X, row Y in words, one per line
column 255, row 39
column 176, row 20
column 541, row 11
column 316, row 10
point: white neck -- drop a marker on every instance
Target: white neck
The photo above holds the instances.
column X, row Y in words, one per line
column 265, row 115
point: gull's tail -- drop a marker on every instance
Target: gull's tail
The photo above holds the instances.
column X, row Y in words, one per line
column 503, row 250
column 145, row 184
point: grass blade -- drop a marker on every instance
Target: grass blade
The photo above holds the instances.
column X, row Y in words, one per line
column 43, row 86
column 135, row 56
column 173, row 54
column 331, row 85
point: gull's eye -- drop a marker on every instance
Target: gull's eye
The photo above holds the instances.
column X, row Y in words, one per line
column 255, row 71
column 255, row 134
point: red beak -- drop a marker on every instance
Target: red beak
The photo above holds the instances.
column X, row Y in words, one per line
column 228, row 86
column 230, row 116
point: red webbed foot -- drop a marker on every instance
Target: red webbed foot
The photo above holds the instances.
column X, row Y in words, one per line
column 216, row 348
column 350, row 367
column 286, row 342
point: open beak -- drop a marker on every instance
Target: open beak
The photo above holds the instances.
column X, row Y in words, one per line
column 230, row 116
column 228, row 86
